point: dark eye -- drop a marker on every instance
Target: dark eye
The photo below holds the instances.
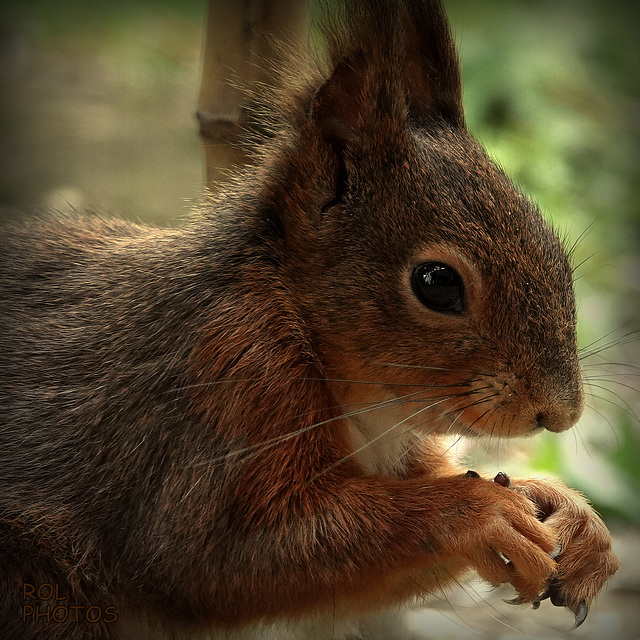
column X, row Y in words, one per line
column 439, row 287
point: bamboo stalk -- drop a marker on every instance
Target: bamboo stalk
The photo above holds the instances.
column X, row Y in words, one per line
column 237, row 49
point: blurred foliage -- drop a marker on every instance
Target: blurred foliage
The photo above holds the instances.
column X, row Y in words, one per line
column 551, row 89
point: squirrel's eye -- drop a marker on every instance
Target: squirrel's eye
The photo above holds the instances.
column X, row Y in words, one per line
column 439, row 287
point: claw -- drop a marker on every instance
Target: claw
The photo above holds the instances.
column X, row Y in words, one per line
column 557, row 599
column 580, row 612
column 502, row 479
column 553, row 592
column 546, row 593
column 517, row 600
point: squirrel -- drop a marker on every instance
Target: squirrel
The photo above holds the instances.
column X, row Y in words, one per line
column 238, row 422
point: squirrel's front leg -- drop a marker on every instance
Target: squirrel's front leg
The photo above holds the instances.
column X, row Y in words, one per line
column 377, row 529
column 586, row 560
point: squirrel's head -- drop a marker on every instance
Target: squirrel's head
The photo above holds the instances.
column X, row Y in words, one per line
column 423, row 275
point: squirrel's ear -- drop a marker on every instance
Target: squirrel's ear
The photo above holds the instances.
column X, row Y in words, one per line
column 431, row 68
column 339, row 104
column 392, row 58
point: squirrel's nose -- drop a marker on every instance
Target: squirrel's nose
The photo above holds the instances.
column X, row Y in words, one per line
column 562, row 402
column 560, row 417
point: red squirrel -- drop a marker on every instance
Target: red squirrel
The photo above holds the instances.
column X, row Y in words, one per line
column 237, row 422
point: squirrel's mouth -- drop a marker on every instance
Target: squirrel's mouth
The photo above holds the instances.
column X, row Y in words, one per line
column 507, row 411
column 537, row 427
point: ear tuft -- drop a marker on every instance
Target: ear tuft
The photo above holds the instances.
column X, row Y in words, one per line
column 432, row 76
column 395, row 59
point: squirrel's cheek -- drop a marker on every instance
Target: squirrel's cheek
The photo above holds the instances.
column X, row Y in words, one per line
column 465, row 398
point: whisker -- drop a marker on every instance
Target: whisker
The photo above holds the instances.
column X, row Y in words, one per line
column 257, row 379
column 462, row 394
column 212, row 383
column 483, row 374
column 591, row 348
column 626, row 408
column 257, row 448
column 599, row 350
column 445, row 414
column 417, row 442
column 583, row 235
column 406, row 452
column 450, row 427
column 453, row 444
column 500, row 617
column 489, row 418
column 577, row 434
column 477, row 402
column 589, row 257
column 570, row 250
column 608, row 380
column 393, row 384
column 611, row 363
column 604, row 417
column 378, row 437
column 479, row 600
column 480, row 418
column 461, row 411
column 462, row 624
column 421, row 425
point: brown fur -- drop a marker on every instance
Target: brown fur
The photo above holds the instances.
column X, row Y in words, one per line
column 182, row 409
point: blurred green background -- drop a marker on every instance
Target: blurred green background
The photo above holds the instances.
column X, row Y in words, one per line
column 97, row 108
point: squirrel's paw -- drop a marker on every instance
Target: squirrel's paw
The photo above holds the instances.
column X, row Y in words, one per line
column 505, row 541
column 585, row 560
